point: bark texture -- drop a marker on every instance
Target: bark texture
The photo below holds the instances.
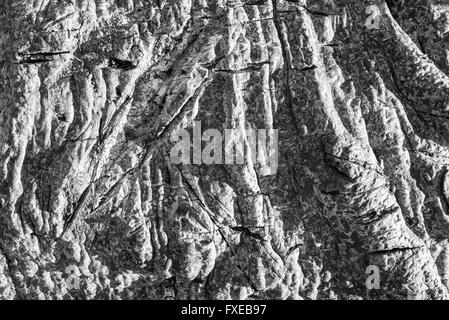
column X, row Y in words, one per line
column 91, row 90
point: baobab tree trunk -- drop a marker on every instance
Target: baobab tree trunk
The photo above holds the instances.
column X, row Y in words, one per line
column 92, row 205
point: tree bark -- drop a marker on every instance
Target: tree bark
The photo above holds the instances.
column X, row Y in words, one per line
column 92, row 205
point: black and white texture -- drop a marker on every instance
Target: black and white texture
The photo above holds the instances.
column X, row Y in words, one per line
column 92, row 207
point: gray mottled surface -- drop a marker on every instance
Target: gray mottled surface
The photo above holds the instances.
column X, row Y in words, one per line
column 90, row 91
